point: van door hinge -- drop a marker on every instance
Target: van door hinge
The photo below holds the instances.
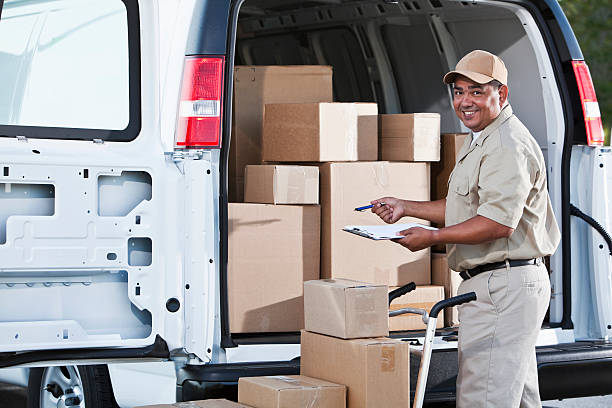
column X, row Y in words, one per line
column 180, row 155
column 22, row 138
column 98, row 141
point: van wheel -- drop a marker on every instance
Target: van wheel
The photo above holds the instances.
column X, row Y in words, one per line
column 70, row 386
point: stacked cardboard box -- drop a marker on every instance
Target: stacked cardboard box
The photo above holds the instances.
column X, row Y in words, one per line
column 344, row 343
column 211, row 403
column 292, row 391
column 345, row 186
column 442, row 275
column 284, row 119
column 451, row 144
column 412, row 137
column 277, row 243
column 273, row 249
column 256, row 86
column 423, row 297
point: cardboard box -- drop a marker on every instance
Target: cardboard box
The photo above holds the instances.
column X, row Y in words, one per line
column 376, row 372
column 410, row 137
column 451, row 143
column 293, row 391
column 278, row 184
column 273, row 249
column 442, row 275
column 423, row 297
column 214, row 403
column 346, row 308
column 345, row 186
column 254, row 86
column 320, row 132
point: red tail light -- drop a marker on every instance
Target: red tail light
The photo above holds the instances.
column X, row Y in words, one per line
column 590, row 106
column 201, row 106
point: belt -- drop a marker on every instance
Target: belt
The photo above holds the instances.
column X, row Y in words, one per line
column 470, row 273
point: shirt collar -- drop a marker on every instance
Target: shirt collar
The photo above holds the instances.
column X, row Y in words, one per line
column 504, row 115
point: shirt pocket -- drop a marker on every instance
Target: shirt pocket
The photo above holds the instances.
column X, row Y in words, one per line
column 461, row 186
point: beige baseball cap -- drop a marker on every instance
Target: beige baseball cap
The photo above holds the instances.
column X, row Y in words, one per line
column 481, row 67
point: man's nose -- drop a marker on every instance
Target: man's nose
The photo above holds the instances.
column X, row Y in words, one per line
column 466, row 100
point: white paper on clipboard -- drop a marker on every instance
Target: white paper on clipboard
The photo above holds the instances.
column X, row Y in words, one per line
column 381, row 232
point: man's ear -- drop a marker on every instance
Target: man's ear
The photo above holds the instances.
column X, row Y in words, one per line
column 503, row 95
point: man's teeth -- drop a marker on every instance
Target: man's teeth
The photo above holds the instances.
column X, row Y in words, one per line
column 469, row 113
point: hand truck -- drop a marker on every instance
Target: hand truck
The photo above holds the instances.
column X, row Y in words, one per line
column 430, row 319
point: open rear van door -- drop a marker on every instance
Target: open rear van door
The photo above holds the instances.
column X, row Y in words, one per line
column 100, row 253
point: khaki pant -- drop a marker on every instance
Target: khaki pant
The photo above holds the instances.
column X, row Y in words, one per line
column 497, row 337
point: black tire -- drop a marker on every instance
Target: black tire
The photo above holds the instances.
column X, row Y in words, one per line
column 97, row 390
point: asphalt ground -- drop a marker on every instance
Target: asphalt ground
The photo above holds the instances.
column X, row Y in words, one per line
column 12, row 396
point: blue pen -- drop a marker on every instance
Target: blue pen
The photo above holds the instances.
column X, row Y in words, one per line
column 367, row 207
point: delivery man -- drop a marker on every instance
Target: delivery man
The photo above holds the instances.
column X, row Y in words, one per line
column 498, row 225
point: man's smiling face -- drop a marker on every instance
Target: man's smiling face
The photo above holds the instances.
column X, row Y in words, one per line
column 477, row 105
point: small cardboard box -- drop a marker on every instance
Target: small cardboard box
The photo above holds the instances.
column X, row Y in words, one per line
column 346, row 308
column 451, row 143
column 254, row 86
column 423, row 297
column 410, row 137
column 320, row 132
column 293, row 391
column 345, row 186
column 211, row 403
column 273, row 249
column 441, row 274
column 376, row 371
column 281, row 184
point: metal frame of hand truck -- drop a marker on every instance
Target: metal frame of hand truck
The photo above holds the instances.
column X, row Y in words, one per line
column 430, row 319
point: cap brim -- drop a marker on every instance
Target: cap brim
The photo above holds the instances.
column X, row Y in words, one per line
column 474, row 76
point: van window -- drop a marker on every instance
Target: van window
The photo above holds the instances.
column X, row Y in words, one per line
column 67, row 70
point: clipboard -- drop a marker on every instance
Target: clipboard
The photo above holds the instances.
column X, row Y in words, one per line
column 382, row 232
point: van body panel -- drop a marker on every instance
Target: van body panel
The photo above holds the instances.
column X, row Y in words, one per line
column 94, row 231
column 214, row 15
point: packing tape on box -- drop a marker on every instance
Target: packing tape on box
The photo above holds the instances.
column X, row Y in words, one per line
column 296, row 184
column 352, row 132
column 380, row 173
column 387, row 360
column 310, row 400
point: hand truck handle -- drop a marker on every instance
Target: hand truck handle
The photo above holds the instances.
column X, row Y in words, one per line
column 450, row 302
column 394, row 294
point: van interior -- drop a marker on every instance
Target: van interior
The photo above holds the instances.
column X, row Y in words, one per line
column 396, row 53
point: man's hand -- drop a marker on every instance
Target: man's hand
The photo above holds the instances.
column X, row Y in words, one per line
column 389, row 209
column 416, row 238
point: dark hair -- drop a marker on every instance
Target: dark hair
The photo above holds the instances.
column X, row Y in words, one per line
column 495, row 84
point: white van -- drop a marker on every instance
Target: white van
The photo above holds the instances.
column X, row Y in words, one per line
column 115, row 125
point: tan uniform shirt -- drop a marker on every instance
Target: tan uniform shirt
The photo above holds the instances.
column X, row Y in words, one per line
column 502, row 177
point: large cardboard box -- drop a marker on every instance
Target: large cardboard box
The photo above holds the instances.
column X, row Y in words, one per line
column 273, row 249
column 346, row 308
column 293, row 391
column 441, row 274
column 410, row 137
column 281, row 184
column 254, row 86
column 450, row 143
column 345, row 186
column 320, row 132
column 216, row 403
column 423, row 297
column 376, row 371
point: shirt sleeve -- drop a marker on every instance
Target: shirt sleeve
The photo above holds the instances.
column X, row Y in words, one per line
column 505, row 180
